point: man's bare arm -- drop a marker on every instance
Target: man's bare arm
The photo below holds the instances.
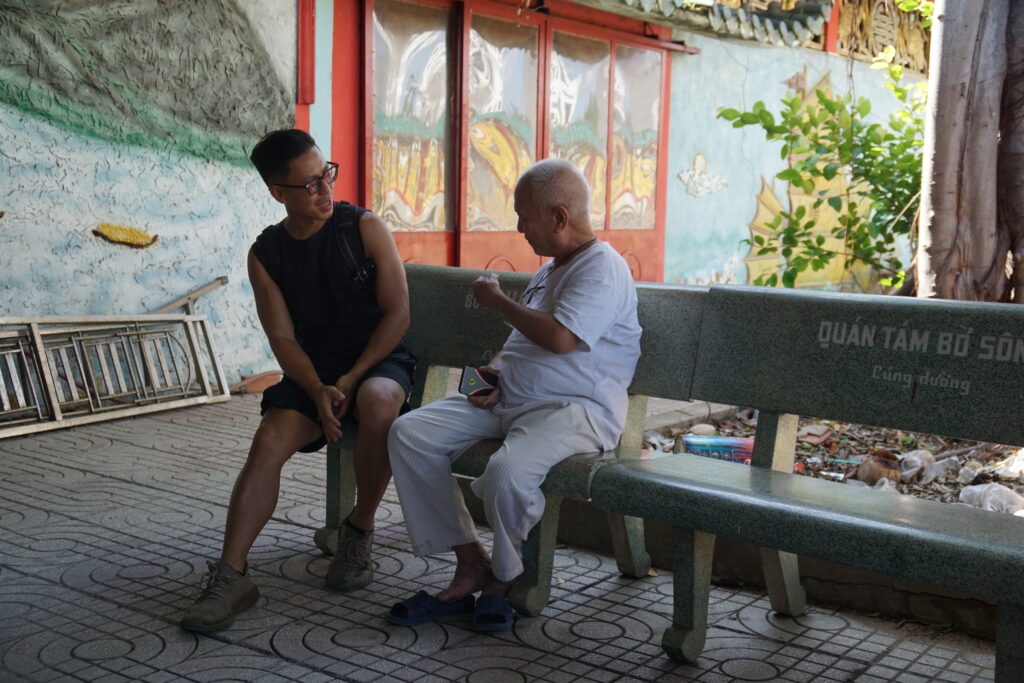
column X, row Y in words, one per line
column 392, row 297
column 539, row 327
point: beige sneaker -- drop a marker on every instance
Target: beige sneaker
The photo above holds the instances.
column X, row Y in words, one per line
column 352, row 566
column 225, row 593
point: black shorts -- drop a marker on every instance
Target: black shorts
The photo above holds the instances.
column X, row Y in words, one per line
column 399, row 366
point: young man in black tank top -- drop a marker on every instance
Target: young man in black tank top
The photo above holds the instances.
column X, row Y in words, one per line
column 326, row 375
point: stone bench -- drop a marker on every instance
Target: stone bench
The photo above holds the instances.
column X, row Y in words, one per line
column 942, row 367
column 449, row 330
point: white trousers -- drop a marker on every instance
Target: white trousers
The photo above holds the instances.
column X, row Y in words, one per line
column 424, row 443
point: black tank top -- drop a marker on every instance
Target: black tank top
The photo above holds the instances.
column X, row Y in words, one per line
column 329, row 286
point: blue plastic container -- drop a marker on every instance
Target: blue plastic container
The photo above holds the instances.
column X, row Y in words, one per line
column 736, row 449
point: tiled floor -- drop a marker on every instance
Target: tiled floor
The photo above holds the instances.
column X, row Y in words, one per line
column 106, row 530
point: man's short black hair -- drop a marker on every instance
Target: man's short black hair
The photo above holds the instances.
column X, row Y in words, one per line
column 275, row 151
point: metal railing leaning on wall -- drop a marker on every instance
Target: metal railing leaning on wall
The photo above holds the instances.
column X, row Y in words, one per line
column 66, row 371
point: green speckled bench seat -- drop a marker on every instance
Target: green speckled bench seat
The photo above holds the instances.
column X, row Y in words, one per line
column 943, row 367
column 449, row 330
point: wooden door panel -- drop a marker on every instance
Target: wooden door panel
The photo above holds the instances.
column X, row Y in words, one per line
column 643, row 251
column 508, row 251
column 435, row 248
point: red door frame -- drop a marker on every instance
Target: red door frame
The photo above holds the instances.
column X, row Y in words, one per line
column 353, row 120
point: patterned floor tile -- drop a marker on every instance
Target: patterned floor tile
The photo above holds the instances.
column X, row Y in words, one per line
column 106, row 531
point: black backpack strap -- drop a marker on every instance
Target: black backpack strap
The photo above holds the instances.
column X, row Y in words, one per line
column 350, row 240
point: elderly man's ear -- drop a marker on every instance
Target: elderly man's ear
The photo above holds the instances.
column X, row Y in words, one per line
column 561, row 215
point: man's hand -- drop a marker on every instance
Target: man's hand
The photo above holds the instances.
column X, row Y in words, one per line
column 490, row 400
column 329, row 401
column 346, row 384
column 487, row 290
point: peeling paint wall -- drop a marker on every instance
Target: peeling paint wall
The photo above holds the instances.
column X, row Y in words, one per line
column 715, row 171
column 142, row 115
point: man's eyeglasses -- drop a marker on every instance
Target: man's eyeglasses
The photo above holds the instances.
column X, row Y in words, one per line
column 313, row 186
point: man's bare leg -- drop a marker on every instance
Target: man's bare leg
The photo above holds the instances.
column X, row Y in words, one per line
column 472, row 574
column 227, row 590
column 378, row 403
column 281, row 433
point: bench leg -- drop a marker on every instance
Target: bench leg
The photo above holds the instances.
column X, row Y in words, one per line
column 341, row 496
column 692, row 552
column 530, row 593
column 628, row 541
column 782, row 576
column 1009, row 639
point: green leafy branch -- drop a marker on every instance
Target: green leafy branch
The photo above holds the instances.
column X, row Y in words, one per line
column 829, row 136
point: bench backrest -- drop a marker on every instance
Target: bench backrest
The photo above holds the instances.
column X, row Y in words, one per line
column 448, row 328
column 942, row 367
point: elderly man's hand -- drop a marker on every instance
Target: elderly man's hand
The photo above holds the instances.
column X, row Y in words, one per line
column 487, row 290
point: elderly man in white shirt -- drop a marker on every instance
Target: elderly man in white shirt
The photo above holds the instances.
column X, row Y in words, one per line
column 564, row 371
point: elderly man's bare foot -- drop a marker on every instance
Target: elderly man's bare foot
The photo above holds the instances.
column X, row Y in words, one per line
column 495, row 587
column 472, row 573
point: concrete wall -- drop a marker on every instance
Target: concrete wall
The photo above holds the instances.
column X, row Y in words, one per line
column 139, row 115
column 142, row 114
column 707, row 219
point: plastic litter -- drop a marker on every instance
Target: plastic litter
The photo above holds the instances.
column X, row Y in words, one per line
column 994, row 497
column 969, row 472
column 920, row 466
column 703, row 429
column 658, row 441
column 1011, row 468
column 736, row 449
column 886, row 485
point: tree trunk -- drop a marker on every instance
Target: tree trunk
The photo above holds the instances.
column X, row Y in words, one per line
column 1011, row 150
column 961, row 251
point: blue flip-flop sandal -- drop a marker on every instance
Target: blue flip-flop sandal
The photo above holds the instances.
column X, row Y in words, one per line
column 423, row 607
column 493, row 613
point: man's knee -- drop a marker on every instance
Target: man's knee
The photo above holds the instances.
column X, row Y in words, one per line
column 379, row 402
column 503, row 474
column 276, row 440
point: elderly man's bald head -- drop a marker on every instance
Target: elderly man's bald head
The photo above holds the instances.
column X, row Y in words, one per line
column 557, row 182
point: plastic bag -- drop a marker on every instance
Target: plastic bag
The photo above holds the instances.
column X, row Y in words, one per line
column 969, row 472
column 887, row 485
column 994, row 497
column 920, row 466
column 1011, row 468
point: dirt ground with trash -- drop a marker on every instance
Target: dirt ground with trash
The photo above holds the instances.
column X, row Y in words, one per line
column 984, row 475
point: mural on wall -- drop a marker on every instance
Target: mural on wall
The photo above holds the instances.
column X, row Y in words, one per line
column 163, row 75
column 129, row 124
column 636, row 118
column 502, row 119
column 122, row 234
column 866, row 27
column 704, row 234
column 578, row 110
column 698, row 180
column 832, row 276
column 411, row 122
